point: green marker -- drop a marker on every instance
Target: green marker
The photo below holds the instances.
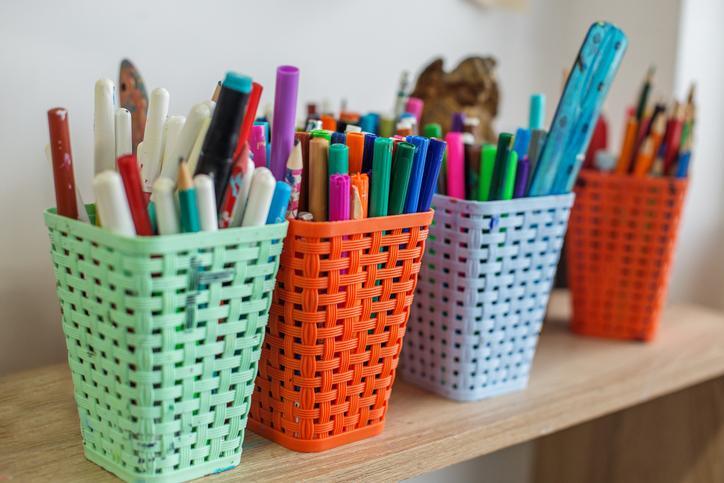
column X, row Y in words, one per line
column 380, row 190
column 386, row 127
column 432, row 130
column 402, row 166
column 487, row 163
column 321, row 133
column 507, row 185
column 338, row 159
column 501, row 157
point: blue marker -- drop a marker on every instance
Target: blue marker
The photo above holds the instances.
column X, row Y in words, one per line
column 682, row 169
column 368, row 123
column 537, row 114
column 435, row 153
column 279, row 203
column 368, row 152
column 521, row 142
column 418, row 169
column 338, row 138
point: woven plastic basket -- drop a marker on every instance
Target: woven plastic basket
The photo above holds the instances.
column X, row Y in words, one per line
column 335, row 332
column 482, row 294
column 163, row 338
column 619, row 252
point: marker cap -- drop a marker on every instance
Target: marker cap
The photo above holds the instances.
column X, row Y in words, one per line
column 237, row 82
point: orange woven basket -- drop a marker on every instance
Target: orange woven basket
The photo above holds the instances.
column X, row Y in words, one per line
column 620, row 244
column 332, row 345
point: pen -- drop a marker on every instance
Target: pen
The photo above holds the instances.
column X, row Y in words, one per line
column 260, row 197
column 380, row 177
column 164, row 202
column 187, row 200
column 435, row 154
column 249, row 116
column 537, row 140
column 243, row 187
column 412, row 199
column 216, row 156
column 303, row 138
column 318, row 177
column 199, row 115
column 104, row 153
column 400, row 177
column 63, row 178
column 339, row 197
column 386, row 127
column 111, row 203
column 206, row 202
column 455, row 176
column 152, row 150
column 233, row 190
column 279, row 203
column 294, row 177
column 131, row 177
column 123, row 133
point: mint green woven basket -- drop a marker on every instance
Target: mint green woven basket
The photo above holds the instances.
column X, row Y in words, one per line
column 163, row 338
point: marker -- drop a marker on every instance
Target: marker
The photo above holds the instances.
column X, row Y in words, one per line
column 412, row 200
column 104, row 152
column 164, row 202
column 338, row 138
column 152, row 154
column 361, row 182
column 131, row 177
column 294, row 175
column 352, row 128
column 458, row 122
column 368, row 123
column 487, row 166
column 521, row 177
column 400, row 177
column 368, row 153
column 472, row 169
column 338, row 159
column 644, row 95
column 199, row 115
column 356, row 204
column 187, row 200
column 497, row 183
column 381, row 177
column 415, row 106
column 261, row 192
column 241, row 164
column 279, row 203
column 329, row 123
column 206, row 202
column 339, row 197
column 318, row 177
column 257, row 144
column 321, row 133
column 435, row 153
column 111, row 203
column 193, row 158
column 216, row 157
column 682, row 168
column 537, row 114
column 283, row 122
column 123, row 132
column 455, row 175
column 303, row 139
column 356, row 145
column 386, row 127
column 172, row 129
column 521, row 142
column 305, row 216
column 507, row 181
column 243, row 186
column 63, row 178
column 537, row 140
column 432, row 130
column 248, row 120
column 401, row 94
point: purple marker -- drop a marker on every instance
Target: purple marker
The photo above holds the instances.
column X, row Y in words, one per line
column 458, row 122
column 521, row 178
column 257, row 145
column 285, row 118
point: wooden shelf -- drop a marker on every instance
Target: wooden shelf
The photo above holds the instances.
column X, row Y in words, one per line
column 574, row 380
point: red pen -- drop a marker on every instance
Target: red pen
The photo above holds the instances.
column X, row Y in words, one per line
column 251, row 106
column 131, row 176
column 65, row 200
column 232, row 191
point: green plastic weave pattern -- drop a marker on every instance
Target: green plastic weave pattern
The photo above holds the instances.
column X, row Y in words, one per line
column 163, row 338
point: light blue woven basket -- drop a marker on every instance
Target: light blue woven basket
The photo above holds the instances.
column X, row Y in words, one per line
column 482, row 294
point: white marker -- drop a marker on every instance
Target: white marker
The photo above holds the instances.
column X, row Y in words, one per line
column 172, row 129
column 352, row 128
column 196, row 150
column 181, row 149
column 153, row 137
column 164, row 200
column 206, row 202
column 104, row 153
column 112, row 204
column 124, row 141
column 260, row 197
column 237, row 213
column 211, row 105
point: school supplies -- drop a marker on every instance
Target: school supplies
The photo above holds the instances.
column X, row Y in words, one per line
column 257, row 144
column 472, row 169
column 151, row 153
column 279, row 203
column 318, row 177
column 587, row 86
column 164, row 201
column 338, row 159
column 502, row 156
column 455, row 165
column 216, row 157
column 521, row 177
column 62, row 157
column 248, row 121
column 381, row 165
column 339, row 197
column 104, row 152
column 400, row 177
column 199, row 115
column 507, row 179
column 435, row 154
column 283, row 122
column 487, row 166
column 260, row 197
column 536, row 117
column 188, row 209
column 133, row 187
column 355, row 204
column 627, row 148
column 111, row 203
column 294, row 178
column 206, row 202
column 412, row 199
column 171, row 130
column 123, row 133
column 356, row 145
column 361, row 182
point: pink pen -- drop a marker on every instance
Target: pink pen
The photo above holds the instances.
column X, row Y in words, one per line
column 257, row 144
column 339, row 197
column 414, row 106
column 455, row 165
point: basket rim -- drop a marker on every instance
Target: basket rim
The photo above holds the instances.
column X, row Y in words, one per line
column 157, row 244
column 326, row 229
column 529, row 202
column 628, row 179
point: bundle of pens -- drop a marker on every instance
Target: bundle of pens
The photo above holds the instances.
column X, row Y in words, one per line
column 497, row 237
column 164, row 332
column 625, row 222
column 346, row 280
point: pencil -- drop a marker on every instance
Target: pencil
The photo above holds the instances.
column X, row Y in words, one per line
column 629, row 139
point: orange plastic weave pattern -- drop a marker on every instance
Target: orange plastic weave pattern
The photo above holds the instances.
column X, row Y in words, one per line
column 338, row 315
column 621, row 238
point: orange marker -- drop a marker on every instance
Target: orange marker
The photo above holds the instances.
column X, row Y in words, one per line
column 645, row 158
column 356, row 145
column 328, row 122
column 362, row 182
column 629, row 139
